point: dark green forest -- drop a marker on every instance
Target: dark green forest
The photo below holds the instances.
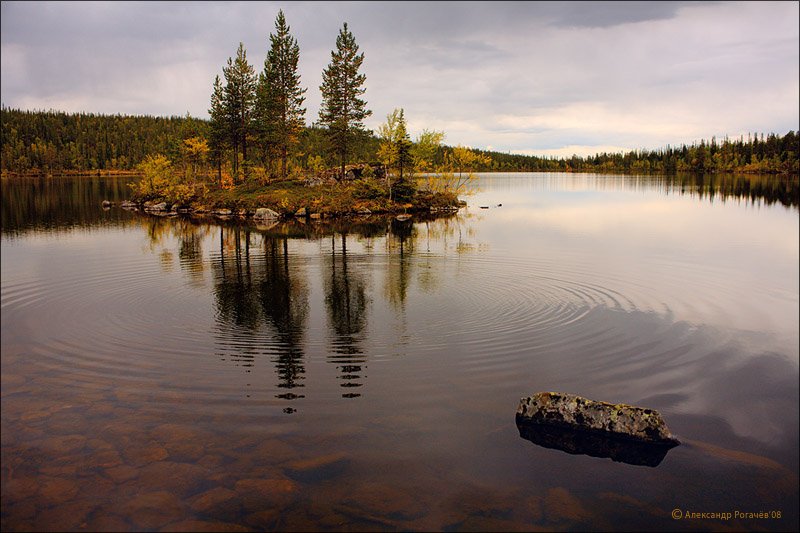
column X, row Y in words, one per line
column 770, row 154
column 54, row 141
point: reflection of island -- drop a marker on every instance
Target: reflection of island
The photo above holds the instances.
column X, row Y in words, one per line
column 593, row 443
column 346, row 302
column 261, row 295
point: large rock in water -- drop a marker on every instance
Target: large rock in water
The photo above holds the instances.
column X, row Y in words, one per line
column 617, row 420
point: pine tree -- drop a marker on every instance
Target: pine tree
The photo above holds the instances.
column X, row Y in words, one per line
column 239, row 98
column 218, row 126
column 404, row 159
column 262, row 121
column 342, row 111
column 280, row 97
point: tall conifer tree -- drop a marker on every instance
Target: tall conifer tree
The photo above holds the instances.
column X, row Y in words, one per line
column 239, row 93
column 280, row 97
column 342, row 110
column 404, row 144
column 218, row 126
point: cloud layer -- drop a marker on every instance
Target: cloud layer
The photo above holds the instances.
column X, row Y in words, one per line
column 527, row 77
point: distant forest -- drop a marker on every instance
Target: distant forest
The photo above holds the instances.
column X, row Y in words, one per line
column 52, row 142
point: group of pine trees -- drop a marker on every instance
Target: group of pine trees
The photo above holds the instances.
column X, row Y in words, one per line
column 265, row 112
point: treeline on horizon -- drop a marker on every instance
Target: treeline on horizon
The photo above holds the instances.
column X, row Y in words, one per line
column 55, row 141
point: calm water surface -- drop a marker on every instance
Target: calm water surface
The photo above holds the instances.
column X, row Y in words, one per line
column 170, row 373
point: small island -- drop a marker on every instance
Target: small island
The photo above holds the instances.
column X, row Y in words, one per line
column 360, row 193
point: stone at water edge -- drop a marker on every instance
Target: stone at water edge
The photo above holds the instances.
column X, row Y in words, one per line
column 569, row 410
column 265, row 213
column 150, row 206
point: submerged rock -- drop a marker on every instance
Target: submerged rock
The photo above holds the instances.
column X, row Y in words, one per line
column 218, row 502
column 316, row 468
column 259, row 494
column 620, row 420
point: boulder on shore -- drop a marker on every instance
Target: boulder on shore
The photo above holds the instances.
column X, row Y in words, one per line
column 151, row 206
column 264, row 213
column 619, row 420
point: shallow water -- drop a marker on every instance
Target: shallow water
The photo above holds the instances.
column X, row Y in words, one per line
column 171, row 373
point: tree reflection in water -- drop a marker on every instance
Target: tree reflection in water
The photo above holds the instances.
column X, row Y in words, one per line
column 400, row 245
column 346, row 304
column 284, row 301
column 262, row 303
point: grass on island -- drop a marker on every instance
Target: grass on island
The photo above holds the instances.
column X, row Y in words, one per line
column 332, row 198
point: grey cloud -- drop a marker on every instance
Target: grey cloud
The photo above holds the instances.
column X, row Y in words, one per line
column 455, row 54
column 608, row 14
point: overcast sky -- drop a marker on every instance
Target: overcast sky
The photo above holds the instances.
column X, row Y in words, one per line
column 527, row 77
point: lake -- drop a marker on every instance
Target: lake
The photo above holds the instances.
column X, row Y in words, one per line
column 195, row 374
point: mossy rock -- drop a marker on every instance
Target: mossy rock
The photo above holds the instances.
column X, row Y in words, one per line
column 569, row 410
